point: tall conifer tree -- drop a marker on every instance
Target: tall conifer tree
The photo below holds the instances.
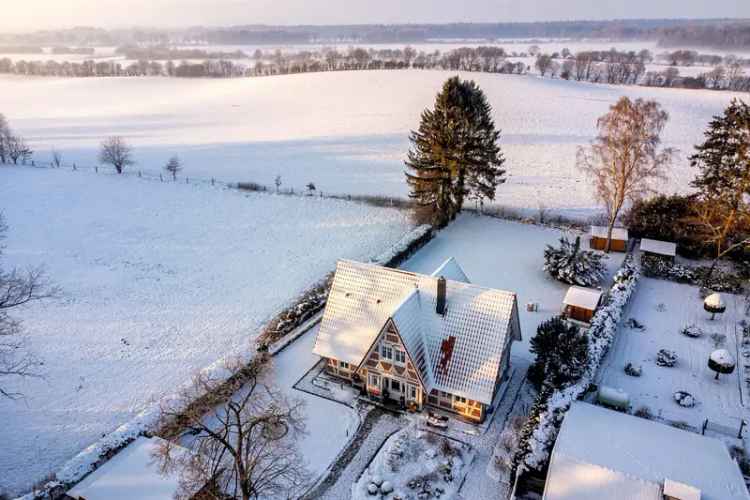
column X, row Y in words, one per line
column 455, row 152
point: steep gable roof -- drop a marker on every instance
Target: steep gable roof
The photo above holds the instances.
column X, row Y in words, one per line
column 450, row 270
column 458, row 352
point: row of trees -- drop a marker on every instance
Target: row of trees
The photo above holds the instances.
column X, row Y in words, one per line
column 629, row 68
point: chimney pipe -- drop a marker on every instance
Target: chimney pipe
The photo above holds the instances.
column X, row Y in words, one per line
column 441, row 299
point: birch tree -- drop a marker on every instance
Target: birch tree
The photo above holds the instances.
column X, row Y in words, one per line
column 626, row 156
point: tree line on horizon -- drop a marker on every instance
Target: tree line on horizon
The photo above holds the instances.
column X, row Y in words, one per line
column 595, row 66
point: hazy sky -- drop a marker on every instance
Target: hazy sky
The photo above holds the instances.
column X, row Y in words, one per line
column 22, row 15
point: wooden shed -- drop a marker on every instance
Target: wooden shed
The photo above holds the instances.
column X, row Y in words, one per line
column 580, row 303
column 599, row 238
column 657, row 248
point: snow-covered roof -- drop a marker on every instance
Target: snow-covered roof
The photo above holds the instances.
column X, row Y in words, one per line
column 659, row 247
column 618, row 233
column 450, row 270
column 364, row 297
column 601, row 453
column 578, row 296
column 132, row 473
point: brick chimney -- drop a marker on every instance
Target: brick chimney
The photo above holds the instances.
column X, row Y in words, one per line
column 441, row 298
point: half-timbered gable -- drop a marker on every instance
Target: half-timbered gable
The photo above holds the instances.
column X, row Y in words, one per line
column 402, row 336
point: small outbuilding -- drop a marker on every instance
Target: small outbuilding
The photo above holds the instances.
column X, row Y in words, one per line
column 580, row 303
column 604, row 454
column 657, row 248
column 598, row 239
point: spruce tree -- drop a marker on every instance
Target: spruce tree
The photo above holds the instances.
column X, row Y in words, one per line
column 561, row 352
column 454, row 152
column 724, row 157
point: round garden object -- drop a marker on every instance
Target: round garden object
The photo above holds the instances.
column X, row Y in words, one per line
column 714, row 304
column 721, row 361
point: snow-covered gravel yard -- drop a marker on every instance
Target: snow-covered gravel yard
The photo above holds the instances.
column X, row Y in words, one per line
column 664, row 308
column 158, row 281
column 345, row 131
column 507, row 256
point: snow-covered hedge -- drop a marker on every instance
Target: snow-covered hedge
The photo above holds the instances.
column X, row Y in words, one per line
column 145, row 422
column 313, row 300
column 719, row 281
column 601, row 333
column 399, row 252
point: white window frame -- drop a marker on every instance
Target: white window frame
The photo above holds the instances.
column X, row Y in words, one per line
column 411, row 391
column 459, row 399
column 344, row 365
column 386, row 348
column 400, row 386
column 402, row 354
column 373, row 379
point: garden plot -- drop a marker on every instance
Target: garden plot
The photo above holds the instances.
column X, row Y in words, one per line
column 664, row 308
column 507, row 256
column 158, row 281
column 415, row 464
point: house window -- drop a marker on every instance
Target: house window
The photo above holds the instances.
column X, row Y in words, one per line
column 459, row 399
column 445, row 394
column 395, row 385
column 400, row 356
column 374, row 380
column 412, row 392
column 386, row 351
column 344, row 364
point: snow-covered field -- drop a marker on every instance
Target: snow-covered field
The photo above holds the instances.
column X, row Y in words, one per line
column 507, row 256
column 665, row 308
column 158, row 280
column 345, row 131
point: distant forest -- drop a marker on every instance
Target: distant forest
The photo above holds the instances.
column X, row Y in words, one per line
column 717, row 33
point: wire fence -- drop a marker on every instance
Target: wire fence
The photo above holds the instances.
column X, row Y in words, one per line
column 310, row 190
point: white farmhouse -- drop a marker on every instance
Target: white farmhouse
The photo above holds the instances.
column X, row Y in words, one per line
column 416, row 340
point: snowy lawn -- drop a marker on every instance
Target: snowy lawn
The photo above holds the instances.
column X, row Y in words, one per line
column 345, row 131
column 329, row 424
column 665, row 308
column 507, row 256
column 414, row 461
column 158, row 280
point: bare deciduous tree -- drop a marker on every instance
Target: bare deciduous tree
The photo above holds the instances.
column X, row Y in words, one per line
column 4, row 135
column 173, row 166
column 56, row 158
column 245, row 448
column 16, row 289
column 17, row 149
column 625, row 156
column 116, row 152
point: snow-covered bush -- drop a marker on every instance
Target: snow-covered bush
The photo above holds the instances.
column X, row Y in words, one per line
column 644, row 412
column 666, row 358
column 633, row 370
column 684, row 399
column 718, row 339
column 691, row 331
column 572, row 265
column 538, row 436
column 718, row 279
